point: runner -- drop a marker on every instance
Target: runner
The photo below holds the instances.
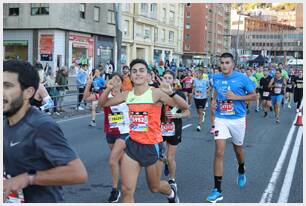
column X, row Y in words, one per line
column 289, row 91
column 127, row 84
column 212, row 112
column 36, row 153
column 254, row 81
column 229, row 102
column 199, row 90
column 187, row 86
column 143, row 148
column 42, row 99
column 278, row 86
column 171, row 127
column 298, row 89
column 265, row 92
column 116, row 128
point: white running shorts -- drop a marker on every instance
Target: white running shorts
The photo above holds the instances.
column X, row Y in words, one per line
column 231, row 128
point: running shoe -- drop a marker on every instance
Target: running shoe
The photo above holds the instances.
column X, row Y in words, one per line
column 289, row 106
column 203, row 119
column 175, row 199
column 166, row 170
column 265, row 114
column 271, row 109
column 114, row 195
column 212, row 130
column 214, row 196
column 198, row 128
column 173, row 184
column 257, row 109
column 277, row 121
column 92, row 123
column 241, row 180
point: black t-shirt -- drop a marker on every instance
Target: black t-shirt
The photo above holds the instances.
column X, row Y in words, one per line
column 177, row 122
column 36, row 142
column 264, row 83
column 298, row 82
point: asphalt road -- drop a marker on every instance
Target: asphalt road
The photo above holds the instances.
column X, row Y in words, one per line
column 264, row 143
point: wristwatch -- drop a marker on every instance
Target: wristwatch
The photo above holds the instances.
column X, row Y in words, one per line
column 31, row 175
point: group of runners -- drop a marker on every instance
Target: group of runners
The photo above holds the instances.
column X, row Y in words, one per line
column 143, row 114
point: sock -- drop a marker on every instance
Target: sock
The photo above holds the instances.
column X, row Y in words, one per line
column 114, row 189
column 218, row 180
column 241, row 168
column 171, row 196
column 93, row 120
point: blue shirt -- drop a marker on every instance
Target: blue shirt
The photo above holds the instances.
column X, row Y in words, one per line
column 98, row 84
column 200, row 86
column 239, row 84
column 81, row 78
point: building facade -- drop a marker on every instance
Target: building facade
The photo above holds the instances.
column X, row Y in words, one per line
column 206, row 32
column 152, row 31
column 60, row 34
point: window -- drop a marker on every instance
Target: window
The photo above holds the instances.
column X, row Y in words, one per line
column 164, row 14
column 97, row 13
column 153, row 10
column 188, row 15
column 13, row 11
column 163, row 34
column 147, row 33
column 144, row 8
column 156, row 34
column 110, row 17
column 187, row 47
column 171, row 37
column 126, row 27
column 82, row 11
column 187, row 36
column 39, row 9
column 171, row 17
column 188, row 26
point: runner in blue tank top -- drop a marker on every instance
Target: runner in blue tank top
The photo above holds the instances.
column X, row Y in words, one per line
column 231, row 90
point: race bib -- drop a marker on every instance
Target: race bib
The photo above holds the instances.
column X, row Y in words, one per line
column 188, row 85
column 227, row 108
column 168, row 129
column 139, row 121
column 277, row 90
column 289, row 86
column 115, row 120
column 299, row 86
column 265, row 94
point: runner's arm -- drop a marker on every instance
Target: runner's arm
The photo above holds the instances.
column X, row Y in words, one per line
column 270, row 83
column 176, row 100
column 104, row 101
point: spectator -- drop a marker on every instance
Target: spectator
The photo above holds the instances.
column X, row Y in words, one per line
column 61, row 80
column 81, row 81
column 127, row 83
column 52, row 90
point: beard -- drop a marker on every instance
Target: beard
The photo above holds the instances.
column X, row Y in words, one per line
column 14, row 107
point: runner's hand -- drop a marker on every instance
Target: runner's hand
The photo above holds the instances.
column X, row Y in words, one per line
column 110, row 84
column 230, row 95
column 164, row 86
column 15, row 183
column 89, row 78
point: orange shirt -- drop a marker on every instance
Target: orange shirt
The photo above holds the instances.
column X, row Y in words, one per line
column 127, row 83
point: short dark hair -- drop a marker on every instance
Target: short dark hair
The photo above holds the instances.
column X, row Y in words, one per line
column 169, row 72
column 27, row 74
column 139, row 61
column 116, row 74
column 227, row 55
column 126, row 66
column 279, row 70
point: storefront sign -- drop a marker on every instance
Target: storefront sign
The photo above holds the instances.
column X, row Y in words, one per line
column 83, row 42
column 46, row 44
column 15, row 42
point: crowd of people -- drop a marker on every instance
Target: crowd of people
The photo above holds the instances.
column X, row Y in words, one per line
column 143, row 106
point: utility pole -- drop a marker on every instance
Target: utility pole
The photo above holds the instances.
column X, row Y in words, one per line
column 237, row 38
column 118, row 36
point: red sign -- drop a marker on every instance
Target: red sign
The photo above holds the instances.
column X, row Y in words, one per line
column 46, row 44
column 83, row 42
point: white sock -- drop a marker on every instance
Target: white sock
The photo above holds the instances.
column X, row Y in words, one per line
column 171, row 195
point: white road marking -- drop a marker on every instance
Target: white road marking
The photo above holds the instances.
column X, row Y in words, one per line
column 284, row 193
column 186, row 126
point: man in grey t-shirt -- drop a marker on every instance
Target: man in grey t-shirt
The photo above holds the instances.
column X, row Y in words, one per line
column 36, row 153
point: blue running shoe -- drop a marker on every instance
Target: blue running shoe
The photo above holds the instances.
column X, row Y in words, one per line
column 214, row 196
column 241, row 180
